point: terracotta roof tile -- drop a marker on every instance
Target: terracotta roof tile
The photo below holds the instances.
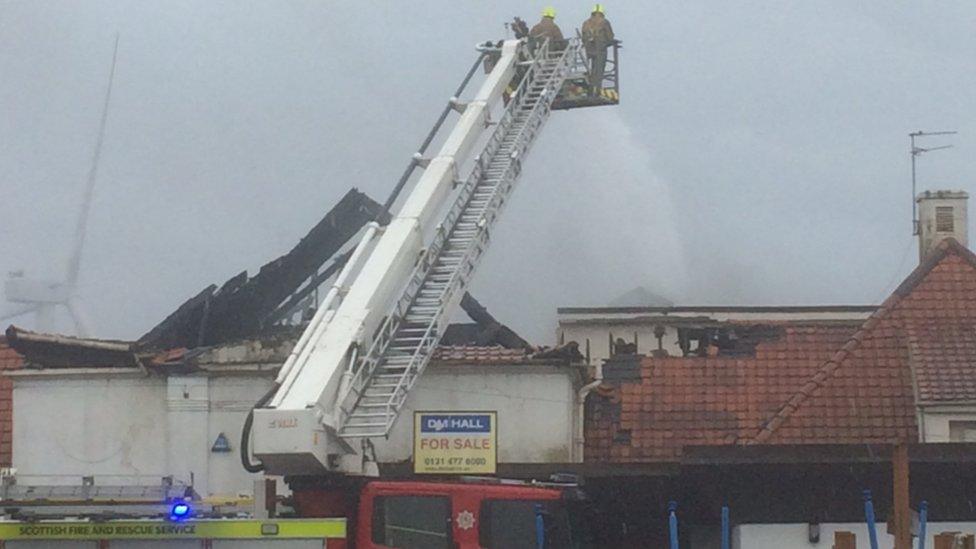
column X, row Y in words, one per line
column 923, row 335
column 704, row 400
column 481, row 355
column 943, row 358
column 816, row 385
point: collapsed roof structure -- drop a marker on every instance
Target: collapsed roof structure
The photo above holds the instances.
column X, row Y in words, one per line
column 269, row 306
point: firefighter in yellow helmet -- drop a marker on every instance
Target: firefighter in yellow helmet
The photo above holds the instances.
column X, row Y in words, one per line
column 597, row 37
column 547, row 28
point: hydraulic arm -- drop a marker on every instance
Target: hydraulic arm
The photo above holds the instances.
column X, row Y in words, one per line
column 350, row 374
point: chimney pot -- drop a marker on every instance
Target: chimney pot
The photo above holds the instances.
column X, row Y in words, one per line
column 941, row 215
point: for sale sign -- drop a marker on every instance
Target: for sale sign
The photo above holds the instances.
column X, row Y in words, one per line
column 455, row 443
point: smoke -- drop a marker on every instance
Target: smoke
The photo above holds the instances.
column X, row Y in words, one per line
column 766, row 167
column 588, row 222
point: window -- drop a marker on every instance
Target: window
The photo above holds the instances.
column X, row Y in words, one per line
column 412, row 522
column 514, row 524
column 943, row 219
column 962, row 431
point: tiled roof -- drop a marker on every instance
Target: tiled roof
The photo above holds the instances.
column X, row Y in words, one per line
column 865, row 392
column 944, row 360
column 816, row 385
column 9, row 359
column 567, row 354
column 480, row 355
column 678, row 402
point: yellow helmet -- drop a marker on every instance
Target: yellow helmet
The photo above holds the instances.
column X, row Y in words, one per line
column 549, row 12
column 597, row 8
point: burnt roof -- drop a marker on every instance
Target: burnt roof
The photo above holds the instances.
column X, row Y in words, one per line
column 60, row 351
column 241, row 307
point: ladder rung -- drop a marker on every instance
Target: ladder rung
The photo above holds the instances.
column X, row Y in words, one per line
column 386, row 383
column 384, row 391
column 361, row 434
column 435, row 286
column 379, row 400
column 367, row 406
column 367, row 415
column 377, row 393
column 409, row 349
column 364, row 425
column 400, row 341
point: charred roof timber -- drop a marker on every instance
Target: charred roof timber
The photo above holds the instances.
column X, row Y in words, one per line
column 485, row 330
column 726, row 339
column 247, row 307
column 54, row 351
column 244, row 306
column 234, row 312
column 703, row 337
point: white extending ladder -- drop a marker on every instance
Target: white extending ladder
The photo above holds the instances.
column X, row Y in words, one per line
column 383, row 375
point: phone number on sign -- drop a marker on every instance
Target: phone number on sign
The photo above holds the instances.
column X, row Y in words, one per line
column 434, row 461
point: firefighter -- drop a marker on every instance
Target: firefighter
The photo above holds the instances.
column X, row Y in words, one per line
column 519, row 27
column 597, row 37
column 547, row 28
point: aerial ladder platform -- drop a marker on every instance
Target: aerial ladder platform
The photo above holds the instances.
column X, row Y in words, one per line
column 352, row 370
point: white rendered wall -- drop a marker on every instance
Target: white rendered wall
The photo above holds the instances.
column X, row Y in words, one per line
column 794, row 536
column 535, row 406
column 129, row 425
column 101, row 426
column 935, row 421
column 133, row 426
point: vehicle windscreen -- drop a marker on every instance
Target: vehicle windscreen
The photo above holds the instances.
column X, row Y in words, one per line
column 521, row 524
column 412, row 522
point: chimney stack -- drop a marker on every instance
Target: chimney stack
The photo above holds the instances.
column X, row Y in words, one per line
column 941, row 215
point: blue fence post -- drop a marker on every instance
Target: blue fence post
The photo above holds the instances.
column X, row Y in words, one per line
column 869, row 515
column 725, row 527
column 540, row 528
column 923, row 517
column 673, row 523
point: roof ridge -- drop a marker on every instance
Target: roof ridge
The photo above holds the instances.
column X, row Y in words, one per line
column 912, row 338
column 949, row 246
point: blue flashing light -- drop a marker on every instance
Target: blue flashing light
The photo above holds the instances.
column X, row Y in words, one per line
column 179, row 511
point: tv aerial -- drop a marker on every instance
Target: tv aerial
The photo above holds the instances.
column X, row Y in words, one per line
column 917, row 152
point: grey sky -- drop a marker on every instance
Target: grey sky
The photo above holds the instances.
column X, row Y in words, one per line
column 759, row 154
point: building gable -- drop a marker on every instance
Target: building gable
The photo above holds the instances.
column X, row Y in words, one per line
column 868, row 390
